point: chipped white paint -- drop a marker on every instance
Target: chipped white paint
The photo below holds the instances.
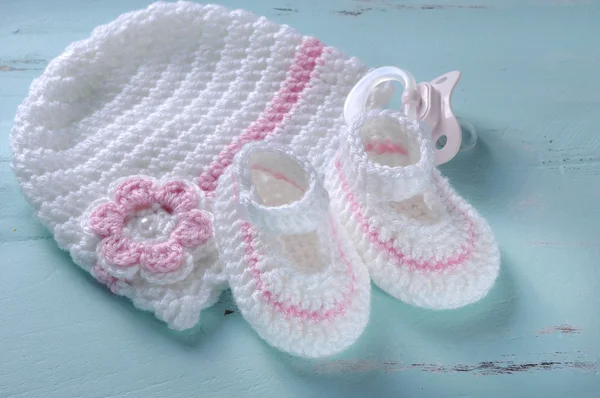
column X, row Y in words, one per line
column 529, row 86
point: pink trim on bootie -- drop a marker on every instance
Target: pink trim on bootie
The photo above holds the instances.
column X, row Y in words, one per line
column 293, row 276
column 421, row 241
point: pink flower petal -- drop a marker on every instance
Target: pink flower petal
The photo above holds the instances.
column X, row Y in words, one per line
column 136, row 193
column 162, row 257
column 107, row 219
column 177, row 197
column 167, row 278
column 120, row 251
column 193, row 228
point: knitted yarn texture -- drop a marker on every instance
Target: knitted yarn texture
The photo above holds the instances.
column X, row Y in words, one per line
column 422, row 242
column 122, row 141
column 293, row 274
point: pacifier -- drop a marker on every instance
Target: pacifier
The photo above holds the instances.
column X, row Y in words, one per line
column 428, row 102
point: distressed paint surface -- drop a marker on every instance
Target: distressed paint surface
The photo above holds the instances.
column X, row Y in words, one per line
column 530, row 85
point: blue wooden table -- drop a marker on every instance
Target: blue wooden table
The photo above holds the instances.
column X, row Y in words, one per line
column 531, row 87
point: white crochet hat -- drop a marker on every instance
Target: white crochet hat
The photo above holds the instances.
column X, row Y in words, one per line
column 122, row 140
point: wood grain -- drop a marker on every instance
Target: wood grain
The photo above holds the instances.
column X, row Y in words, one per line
column 530, row 86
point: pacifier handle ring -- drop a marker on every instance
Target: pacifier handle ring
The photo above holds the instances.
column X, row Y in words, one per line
column 356, row 101
column 426, row 102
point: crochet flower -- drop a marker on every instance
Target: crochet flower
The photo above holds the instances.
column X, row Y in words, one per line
column 152, row 229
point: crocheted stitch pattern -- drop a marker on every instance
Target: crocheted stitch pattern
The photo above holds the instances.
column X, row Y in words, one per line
column 155, row 230
column 171, row 92
column 423, row 243
column 304, row 291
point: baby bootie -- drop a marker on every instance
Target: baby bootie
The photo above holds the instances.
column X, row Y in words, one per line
column 421, row 241
column 123, row 139
column 293, row 273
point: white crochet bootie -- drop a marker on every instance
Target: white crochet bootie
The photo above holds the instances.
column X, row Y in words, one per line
column 122, row 141
column 293, row 274
column 422, row 243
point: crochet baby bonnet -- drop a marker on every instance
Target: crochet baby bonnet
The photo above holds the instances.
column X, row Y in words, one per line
column 122, row 140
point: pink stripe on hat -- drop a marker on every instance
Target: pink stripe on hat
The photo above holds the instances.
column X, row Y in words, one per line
column 299, row 76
